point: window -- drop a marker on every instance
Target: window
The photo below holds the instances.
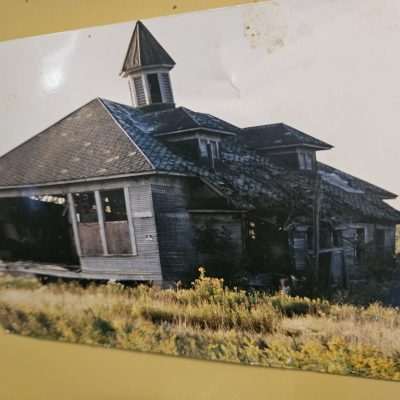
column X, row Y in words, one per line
column 85, row 204
column 116, row 224
column 359, row 245
column 380, row 242
column 166, row 89
column 306, row 160
column 107, row 230
column 154, row 88
column 337, row 238
column 252, row 230
column 214, row 148
column 113, row 205
column 139, row 91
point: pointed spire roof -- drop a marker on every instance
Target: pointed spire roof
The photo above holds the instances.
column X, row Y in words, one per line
column 145, row 51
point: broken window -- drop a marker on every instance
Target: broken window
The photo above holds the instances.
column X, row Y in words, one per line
column 252, row 230
column 306, row 160
column 337, row 238
column 154, row 88
column 359, row 246
column 113, row 205
column 88, row 224
column 116, row 222
column 86, row 211
column 214, row 148
column 380, row 242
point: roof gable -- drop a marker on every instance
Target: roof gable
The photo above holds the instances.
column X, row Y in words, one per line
column 280, row 135
column 85, row 144
column 144, row 51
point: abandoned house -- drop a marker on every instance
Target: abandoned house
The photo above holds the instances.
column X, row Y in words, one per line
column 151, row 191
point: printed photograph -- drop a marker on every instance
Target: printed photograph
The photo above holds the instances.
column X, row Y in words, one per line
column 220, row 185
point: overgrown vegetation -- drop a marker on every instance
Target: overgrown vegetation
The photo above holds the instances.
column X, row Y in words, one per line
column 212, row 322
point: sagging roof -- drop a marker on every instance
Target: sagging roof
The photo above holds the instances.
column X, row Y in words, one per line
column 351, row 182
column 144, row 51
column 104, row 139
column 280, row 135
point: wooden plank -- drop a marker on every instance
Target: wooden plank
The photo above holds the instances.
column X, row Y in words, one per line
column 100, row 217
column 72, row 213
column 130, row 220
column 90, row 239
column 117, row 235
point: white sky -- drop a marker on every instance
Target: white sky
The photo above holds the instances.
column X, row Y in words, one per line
column 329, row 68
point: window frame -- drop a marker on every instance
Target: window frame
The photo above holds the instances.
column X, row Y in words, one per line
column 101, row 222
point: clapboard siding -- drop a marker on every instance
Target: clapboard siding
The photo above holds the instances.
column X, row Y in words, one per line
column 174, row 226
column 146, row 264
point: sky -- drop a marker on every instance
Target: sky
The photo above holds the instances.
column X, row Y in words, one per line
column 329, row 68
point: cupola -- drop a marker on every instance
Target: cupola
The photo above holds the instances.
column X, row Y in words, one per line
column 147, row 66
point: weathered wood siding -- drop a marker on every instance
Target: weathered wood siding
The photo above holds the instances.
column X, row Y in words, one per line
column 299, row 249
column 174, row 226
column 232, row 222
column 146, row 264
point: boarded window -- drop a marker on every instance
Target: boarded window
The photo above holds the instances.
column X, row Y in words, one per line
column 154, row 88
column 88, row 225
column 139, row 91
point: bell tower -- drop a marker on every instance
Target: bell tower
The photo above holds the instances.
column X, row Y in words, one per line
column 147, row 66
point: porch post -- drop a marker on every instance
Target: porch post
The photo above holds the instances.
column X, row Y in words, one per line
column 130, row 221
column 100, row 217
column 72, row 213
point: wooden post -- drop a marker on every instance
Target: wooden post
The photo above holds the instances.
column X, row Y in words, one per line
column 100, row 217
column 72, row 213
column 316, row 225
column 130, row 220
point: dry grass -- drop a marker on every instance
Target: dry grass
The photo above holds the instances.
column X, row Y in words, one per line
column 211, row 322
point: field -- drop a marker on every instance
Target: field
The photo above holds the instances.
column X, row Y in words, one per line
column 210, row 322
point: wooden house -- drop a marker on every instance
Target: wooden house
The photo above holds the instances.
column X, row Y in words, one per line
column 148, row 192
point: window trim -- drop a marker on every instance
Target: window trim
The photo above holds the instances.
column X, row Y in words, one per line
column 101, row 221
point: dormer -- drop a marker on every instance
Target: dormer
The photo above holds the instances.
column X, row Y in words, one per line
column 147, row 66
column 194, row 135
column 284, row 145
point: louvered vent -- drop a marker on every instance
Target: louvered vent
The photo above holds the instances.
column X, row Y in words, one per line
column 166, row 89
column 139, row 91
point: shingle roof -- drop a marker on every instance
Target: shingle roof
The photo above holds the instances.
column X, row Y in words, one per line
column 279, row 135
column 354, row 182
column 144, row 51
column 171, row 120
column 86, row 143
column 104, row 138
